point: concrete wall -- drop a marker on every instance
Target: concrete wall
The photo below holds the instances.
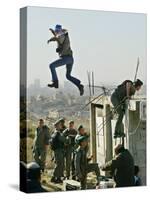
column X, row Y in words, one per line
column 137, row 140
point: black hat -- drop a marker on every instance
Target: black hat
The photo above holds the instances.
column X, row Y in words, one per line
column 81, row 126
column 138, row 82
column 57, row 122
column 62, row 120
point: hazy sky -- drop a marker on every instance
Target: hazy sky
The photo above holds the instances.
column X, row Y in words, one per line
column 107, row 43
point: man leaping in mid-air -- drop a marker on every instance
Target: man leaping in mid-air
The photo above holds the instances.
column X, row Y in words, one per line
column 65, row 58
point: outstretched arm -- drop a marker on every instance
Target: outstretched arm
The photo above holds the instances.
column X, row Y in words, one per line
column 53, row 32
column 52, row 40
column 112, row 165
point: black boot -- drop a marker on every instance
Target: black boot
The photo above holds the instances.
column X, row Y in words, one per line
column 54, row 84
column 58, row 180
column 81, row 89
column 53, row 179
column 74, row 178
column 119, row 135
column 116, row 135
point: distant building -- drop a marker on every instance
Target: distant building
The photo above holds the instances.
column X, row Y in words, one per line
column 53, row 114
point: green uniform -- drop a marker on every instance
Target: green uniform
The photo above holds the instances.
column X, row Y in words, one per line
column 70, row 135
column 59, row 155
column 40, row 142
column 83, row 167
column 77, row 137
column 118, row 100
column 122, row 169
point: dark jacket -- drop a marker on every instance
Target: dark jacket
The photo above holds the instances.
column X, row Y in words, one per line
column 122, row 169
column 63, row 44
column 121, row 90
column 70, row 135
column 41, row 137
column 59, row 140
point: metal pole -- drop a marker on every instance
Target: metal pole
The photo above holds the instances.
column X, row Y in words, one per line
column 137, row 67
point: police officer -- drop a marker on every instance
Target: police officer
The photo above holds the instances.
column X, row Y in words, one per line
column 41, row 143
column 34, row 178
column 82, row 165
column 70, row 134
column 63, row 126
column 121, row 167
column 58, row 141
column 61, row 36
column 81, row 132
column 119, row 99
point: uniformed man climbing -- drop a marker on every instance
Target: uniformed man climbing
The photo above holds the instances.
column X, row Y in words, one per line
column 65, row 58
column 41, row 143
column 121, row 167
column 119, row 100
column 82, row 165
column 70, row 134
column 57, row 141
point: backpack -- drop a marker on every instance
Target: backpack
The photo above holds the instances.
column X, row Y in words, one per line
column 54, row 141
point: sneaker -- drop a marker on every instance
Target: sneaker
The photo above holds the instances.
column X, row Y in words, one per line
column 81, row 89
column 54, row 84
column 58, row 180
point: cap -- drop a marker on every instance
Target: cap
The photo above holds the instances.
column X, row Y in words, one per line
column 81, row 126
column 57, row 122
column 71, row 122
column 62, row 119
column 58, row 28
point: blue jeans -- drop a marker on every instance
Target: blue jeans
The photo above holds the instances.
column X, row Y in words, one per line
column 64, row 60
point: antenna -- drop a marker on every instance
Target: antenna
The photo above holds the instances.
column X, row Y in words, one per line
column 89, row 82
column 93, row 82
column 137, row 67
